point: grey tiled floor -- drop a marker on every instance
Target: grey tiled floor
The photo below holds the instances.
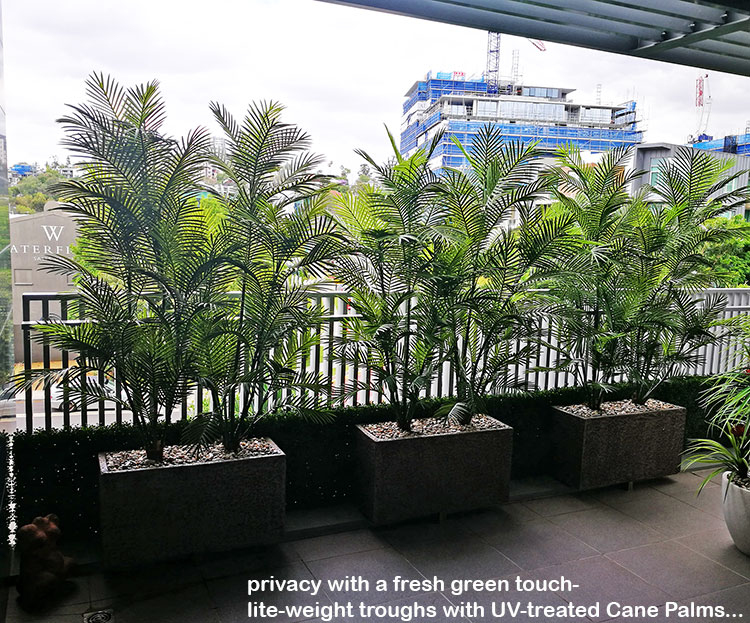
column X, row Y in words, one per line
column 655, row 545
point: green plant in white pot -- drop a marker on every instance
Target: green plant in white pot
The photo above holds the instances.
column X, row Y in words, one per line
column 732, row 462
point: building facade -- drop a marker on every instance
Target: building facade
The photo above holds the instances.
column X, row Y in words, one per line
column 648, row 157
column 32, row 238
column 460, row 107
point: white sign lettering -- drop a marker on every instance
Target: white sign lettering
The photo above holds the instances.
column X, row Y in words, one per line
column 53, row 231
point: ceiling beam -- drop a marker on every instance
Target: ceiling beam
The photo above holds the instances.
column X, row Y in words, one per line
column 609, row 26
column 683, row 40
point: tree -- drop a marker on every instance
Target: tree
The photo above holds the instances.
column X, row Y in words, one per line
column 670, row 319
column 732, row 257
column 33, row 191
column 631, row 307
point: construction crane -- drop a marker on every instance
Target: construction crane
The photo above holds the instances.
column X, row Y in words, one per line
column 492, row 70
column 702, row 107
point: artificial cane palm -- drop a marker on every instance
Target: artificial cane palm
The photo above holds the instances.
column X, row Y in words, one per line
column 496, row 246
column 671, row 324
column 590, row 300
column 391, row 230
column 149, row 261
column 281, row 240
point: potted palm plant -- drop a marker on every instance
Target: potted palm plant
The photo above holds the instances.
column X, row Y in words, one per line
column 632, row 313
column 395, row 333
column 137, row 220
column 155, row 275
column 437, row 276
column 145, row 273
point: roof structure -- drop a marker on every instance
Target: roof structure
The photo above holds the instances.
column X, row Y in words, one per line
column 697, row 33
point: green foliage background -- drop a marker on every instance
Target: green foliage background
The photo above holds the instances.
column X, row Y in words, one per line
column 33, row 191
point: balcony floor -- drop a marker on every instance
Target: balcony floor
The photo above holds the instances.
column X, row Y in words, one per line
column 653, row 545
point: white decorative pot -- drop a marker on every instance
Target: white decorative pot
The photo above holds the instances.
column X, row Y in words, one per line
column 736, row 503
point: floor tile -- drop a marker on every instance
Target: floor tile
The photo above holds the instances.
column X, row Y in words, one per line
column 607, row 529
column 464, row 557
column 538, row 544
column 547, row 507
column 677, row 570
column 402, row 606
column 709, row 500
column 73, row 599
column 603, row 581
column 638, row 618
column 505, row 517
column 423, row 531
column 22, row 617
column 323, row 518
column 670, row 516
column 144, row 582
column 338, row 544
column 677, row 484
column 187, row 605
column 379, row 564
column 230, row 595
column 617, row 495
column 718, row 546
column 232, row 563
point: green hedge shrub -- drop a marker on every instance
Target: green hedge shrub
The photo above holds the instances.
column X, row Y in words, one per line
column 56, row 471
column 4, row 501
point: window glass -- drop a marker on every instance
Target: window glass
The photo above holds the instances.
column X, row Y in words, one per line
column 486, row 109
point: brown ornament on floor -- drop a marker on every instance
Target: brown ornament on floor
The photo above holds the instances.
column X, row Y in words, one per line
column 43, row 568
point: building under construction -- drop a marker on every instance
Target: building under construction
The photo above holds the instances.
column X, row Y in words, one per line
column 732, row 144
column 461, row 106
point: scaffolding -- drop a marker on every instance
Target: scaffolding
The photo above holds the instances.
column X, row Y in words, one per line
column 461, row 107
column 733, row 144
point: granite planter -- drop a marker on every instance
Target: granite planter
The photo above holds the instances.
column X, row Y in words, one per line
column 425, row 475
column 608, row 449
column 159, row 513
column 736, row 506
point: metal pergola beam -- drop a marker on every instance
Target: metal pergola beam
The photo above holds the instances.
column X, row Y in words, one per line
column 686, row 32
column 711, row 33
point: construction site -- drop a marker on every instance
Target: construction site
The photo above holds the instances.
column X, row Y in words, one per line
column 459, row 106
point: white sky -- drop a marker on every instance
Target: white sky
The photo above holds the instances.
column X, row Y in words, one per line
column 341, row 72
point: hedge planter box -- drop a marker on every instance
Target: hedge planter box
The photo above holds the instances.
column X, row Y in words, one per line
column 427, row 474
column 173, row 511
column 617, row 447
column 736, row 505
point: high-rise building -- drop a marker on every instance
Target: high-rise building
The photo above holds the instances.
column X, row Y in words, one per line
column 461, row 106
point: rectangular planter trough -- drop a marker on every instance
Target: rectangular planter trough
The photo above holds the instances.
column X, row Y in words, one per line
column 610, row 449
column 174, row 511
column 425, row 475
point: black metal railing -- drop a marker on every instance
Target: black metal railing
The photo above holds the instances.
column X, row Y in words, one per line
column 323, row 360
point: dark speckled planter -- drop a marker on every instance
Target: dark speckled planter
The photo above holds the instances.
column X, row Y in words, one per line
column 171, row 512
column 593, row 452
column 425, row 475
